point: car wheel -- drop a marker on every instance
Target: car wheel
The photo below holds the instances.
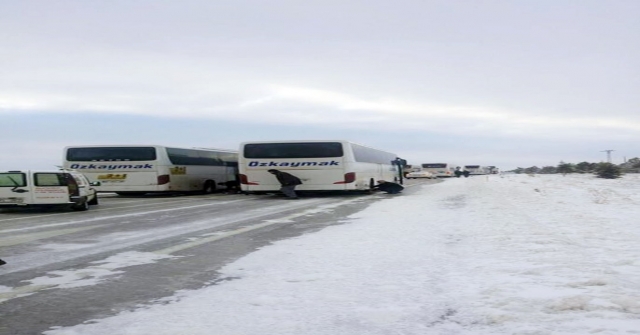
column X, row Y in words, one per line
column 94, row 201
column 83, row 206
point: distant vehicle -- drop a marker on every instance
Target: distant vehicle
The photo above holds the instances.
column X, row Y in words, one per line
column 477, row 169
column 321, row 165
column 410, row 168
column 420, row 174
column 47, row 189
column 441, row 170
column 140, row 169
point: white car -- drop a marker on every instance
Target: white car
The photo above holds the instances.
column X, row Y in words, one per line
column 419, row 174
column 63, row 188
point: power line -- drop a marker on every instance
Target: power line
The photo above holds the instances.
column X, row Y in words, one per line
column 608, row 154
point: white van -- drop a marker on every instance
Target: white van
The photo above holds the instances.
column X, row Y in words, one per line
column 47, row 188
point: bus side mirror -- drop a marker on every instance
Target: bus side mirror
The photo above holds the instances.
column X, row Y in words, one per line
column 95, row 183
column 399, row 162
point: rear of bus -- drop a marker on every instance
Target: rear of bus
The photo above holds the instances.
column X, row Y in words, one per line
column 121, row 169
column 475, row 169
column 321, row 165
column 440, row 170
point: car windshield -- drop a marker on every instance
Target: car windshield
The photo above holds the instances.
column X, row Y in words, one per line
column 12, row 180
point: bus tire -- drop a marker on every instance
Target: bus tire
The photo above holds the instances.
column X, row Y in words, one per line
column 131, row 193
column 209, row 187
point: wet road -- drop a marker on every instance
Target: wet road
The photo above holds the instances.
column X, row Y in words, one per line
column 65, row 268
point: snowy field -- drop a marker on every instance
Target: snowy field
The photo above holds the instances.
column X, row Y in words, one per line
column 485, row 255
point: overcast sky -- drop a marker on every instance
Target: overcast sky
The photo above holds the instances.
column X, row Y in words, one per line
column 505, row 83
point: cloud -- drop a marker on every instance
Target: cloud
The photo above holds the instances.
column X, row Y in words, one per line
column 278, row 91
column 33, row 154
column 290, row 105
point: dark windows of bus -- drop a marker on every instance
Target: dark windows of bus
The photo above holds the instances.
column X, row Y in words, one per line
column 472, row 166
column 370, row 155
column 12, row 180
column 434, row 165
column 96, row 154
column 293, row 150
column 179, row 156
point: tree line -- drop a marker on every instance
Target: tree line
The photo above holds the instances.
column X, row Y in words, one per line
column 602, row 169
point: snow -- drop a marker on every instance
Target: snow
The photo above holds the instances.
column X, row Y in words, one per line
column 95, row 274
column 512, row 254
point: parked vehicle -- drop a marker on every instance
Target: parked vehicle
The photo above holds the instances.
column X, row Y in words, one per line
column 62, row 188
column 409, row 168
column 420, row 174
column 322, row 165
column 475, row 170
column 140, row 169
column 441, row 170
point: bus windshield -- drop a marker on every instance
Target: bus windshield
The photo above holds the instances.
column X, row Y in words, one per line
column 293, row 150
column 94, row 154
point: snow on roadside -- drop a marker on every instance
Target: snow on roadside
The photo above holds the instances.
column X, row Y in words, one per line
column 484, row 255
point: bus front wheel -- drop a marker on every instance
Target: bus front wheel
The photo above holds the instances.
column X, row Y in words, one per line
column 209, row 187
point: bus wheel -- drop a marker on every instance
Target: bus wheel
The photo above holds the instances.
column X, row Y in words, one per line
column 131, row 193
column 209, row 187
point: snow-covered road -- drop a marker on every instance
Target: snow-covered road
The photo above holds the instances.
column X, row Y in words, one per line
column 516, row 254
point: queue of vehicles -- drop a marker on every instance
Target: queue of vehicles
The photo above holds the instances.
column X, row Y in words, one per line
column 135, row 170
column 139, row 169
column 446, row 170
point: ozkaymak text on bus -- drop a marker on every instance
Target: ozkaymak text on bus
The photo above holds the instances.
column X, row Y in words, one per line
column 110, row 167
column 292, row 164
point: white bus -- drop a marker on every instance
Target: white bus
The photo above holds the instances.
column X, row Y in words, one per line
column 140, row 169
column 475, row 170
column 440, row 170
column 321, row 165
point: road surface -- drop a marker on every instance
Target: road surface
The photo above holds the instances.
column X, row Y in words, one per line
column 65, row 268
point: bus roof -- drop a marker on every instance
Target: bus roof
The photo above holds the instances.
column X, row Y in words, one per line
column 294, row 141
column 145, row 145
column 307, row 141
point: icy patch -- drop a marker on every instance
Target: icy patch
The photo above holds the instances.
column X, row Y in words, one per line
column 93, row 275
column 64, row 247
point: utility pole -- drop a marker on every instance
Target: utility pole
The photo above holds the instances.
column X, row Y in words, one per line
column 608, row 154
